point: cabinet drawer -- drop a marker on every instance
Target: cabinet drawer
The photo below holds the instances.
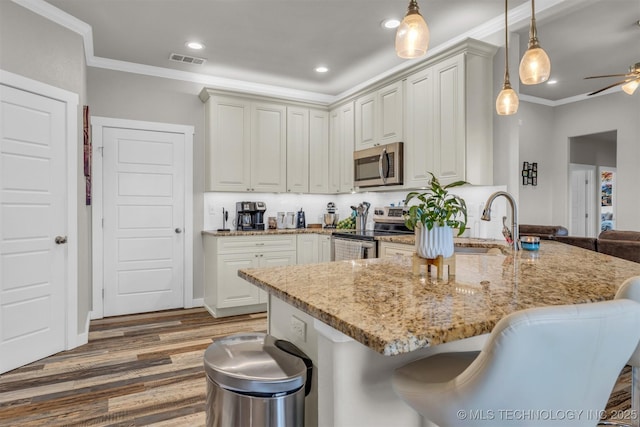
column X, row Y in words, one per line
column 244, row 244
column 394, row 249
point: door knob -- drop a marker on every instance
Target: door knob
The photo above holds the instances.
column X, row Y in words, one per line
column 178, row 230
column 61, row 240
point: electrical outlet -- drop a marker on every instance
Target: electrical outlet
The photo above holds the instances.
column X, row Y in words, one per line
column 298, row 328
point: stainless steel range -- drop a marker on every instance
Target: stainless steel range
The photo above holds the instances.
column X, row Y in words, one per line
column 361, row 244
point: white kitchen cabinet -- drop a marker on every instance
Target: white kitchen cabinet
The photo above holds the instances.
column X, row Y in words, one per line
column 388, row 249
column 449, row 116
column 226, row 294
column 297, row 150
column 379, row 116
column 228, row 144
column 268, row 147
column 308, row 249
column 324, row 244
column 341, row 140
column 418, row 145
column 246, row 145
column 318, row 151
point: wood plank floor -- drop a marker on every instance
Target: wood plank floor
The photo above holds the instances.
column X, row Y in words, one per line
column 140, row 370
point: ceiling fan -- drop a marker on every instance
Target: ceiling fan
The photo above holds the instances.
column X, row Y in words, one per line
column 630, row 82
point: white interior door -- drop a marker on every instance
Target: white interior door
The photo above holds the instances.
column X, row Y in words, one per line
column 33, row 268
column 143, row 206
column 582, row 200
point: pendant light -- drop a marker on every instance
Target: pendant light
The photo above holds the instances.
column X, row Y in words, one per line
column 507, row 101
column 412, row 36
column 535, row 66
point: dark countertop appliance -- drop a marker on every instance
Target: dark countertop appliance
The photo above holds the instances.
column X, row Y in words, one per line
column 250, row 215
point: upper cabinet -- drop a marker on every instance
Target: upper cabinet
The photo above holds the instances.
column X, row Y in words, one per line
column 379, row 116
column 246, row 145
column 341, row 143
column 297, row 150
column 449, row 118
column 318, row 151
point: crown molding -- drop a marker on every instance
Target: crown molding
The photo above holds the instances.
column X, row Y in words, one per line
column 517, row 16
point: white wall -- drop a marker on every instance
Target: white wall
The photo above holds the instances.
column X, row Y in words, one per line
column 315, row 206
column 130, row 96
column 535, row 141
column 616, row 111
column 39, row 49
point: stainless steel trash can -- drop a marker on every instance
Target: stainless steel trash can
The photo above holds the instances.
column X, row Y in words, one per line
column 256, row 380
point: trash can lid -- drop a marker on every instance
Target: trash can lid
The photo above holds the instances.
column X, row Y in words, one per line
column 251, row 363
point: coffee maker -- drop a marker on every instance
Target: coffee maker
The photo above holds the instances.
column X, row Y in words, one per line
column 250, row 215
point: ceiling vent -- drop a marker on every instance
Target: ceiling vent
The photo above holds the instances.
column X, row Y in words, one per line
column 187, row 59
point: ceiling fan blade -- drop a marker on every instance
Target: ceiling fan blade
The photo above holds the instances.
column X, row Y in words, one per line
column 609, row 75
column 610, row 86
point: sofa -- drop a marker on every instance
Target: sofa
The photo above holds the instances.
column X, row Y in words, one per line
column 618, row 243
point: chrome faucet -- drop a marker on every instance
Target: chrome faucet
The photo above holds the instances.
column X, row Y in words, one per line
column 486, row 215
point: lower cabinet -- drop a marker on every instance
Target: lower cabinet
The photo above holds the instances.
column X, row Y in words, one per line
column 308, row 248
column 324, row 243
column 226, row 294
column 388, row 249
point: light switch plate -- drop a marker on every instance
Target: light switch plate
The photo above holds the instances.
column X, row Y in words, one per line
column 298, row 328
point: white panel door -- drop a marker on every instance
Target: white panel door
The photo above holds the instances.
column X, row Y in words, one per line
column 143, row 220
column 32, row 214
column 582, row 205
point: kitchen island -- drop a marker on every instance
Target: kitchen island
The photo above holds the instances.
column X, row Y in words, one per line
column 371, row 316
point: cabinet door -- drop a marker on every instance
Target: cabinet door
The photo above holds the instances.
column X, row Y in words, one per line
column 418, row 143
column 297, row 150
column 395, row 249
column 390, row 113
column 228, row 144
column 347, row 127
column 365, row 121
column 449, row 120
column 325, row 248
column 335, row 151
column 307, row 249
column 233, row 291
column 274, row 259
column 318, row 151
column 268, row 147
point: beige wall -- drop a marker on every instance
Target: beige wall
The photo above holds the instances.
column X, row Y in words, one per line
column 37, row 48
column 121, row 95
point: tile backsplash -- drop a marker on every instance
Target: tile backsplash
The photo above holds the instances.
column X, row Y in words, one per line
column 315, row 205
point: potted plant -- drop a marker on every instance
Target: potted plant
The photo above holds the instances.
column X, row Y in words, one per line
column 434, row 217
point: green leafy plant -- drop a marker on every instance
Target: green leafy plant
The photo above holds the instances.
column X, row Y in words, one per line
column 437, row 206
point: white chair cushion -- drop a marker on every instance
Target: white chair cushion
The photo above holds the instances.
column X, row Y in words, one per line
column 555, row 360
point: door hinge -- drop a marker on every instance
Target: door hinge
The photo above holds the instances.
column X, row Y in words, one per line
column 103, row 294
column 102, row 222
column 586, row 215
column 99, row 150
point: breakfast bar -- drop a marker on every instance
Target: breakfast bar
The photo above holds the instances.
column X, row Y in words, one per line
column 371, row 316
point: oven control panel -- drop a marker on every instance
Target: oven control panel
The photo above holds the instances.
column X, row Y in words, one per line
column 390, row 214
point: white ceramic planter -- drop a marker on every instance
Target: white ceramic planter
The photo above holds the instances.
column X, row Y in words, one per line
column 434, row 242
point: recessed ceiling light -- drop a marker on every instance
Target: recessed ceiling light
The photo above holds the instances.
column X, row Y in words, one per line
column 321, row 69
column 552, row 82
column 195, row 45
column 390, row 23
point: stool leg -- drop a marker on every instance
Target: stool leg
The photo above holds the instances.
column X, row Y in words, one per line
column 635, row 396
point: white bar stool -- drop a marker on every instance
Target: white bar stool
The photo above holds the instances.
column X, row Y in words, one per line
column 630, row 289
column 551, row 366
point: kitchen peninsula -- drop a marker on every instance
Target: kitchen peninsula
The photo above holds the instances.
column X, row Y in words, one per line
column 371, row 316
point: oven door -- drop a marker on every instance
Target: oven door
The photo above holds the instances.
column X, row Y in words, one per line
column 348, row 249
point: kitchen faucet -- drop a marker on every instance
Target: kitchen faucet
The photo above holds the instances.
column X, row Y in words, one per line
column 486, row 214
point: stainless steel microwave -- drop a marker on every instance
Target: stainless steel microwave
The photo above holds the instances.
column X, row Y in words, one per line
column 377, row 166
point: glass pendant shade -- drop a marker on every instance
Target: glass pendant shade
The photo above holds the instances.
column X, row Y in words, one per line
column 507, row 102
column 535, row 66
column 630, row 88
column 412, row 36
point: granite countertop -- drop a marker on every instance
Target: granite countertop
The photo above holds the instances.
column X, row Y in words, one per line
column 381, row 304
